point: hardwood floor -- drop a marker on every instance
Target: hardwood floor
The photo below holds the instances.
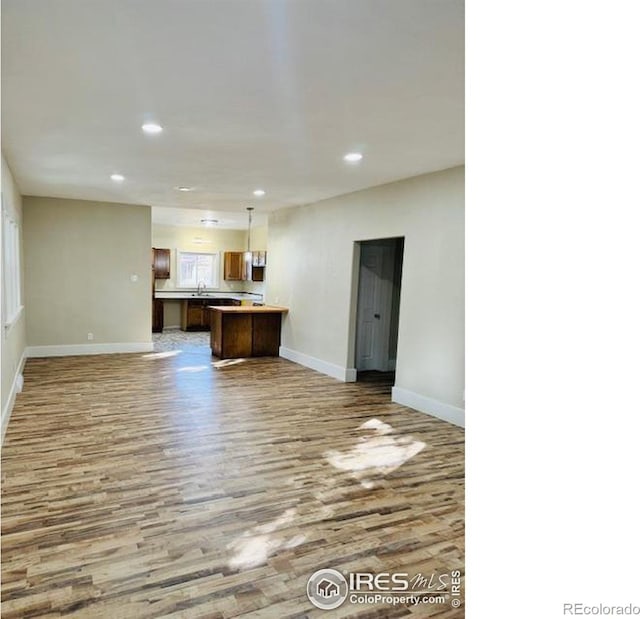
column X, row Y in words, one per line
column 176, row 485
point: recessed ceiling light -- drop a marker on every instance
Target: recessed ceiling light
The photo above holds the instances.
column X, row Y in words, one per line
column 209, row 222
column 353, row 157
column 182, row 188
column 259, row 192
column 151, row 128
column 117, row 177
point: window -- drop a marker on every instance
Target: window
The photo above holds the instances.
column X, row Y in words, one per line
column 11, row 292
column 195, row 269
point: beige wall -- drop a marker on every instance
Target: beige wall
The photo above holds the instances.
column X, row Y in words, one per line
column 259, row 238
column 184, row 238
column 14, row 338
column 311, row 263
column 79, row 259
column 212, row 240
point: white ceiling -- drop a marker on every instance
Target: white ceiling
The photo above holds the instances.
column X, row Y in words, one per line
column 192, row 218
column 251, row 93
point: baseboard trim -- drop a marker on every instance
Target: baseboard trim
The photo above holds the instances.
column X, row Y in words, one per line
column 346, row 375
column 68, row 350
column 16, row 387
column 422, row 403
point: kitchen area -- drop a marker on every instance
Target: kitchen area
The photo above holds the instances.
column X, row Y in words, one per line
column 203, row 277
column 185, row 308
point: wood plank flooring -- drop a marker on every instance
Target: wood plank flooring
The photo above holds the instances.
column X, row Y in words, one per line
column 176, row 485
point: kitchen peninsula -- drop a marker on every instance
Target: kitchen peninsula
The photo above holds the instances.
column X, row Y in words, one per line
column 187, row 308
column 245, row 331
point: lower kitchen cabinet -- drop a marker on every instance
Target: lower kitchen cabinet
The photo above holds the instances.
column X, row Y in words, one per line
column 246, row 332
column 194, row 315
column 157, row 316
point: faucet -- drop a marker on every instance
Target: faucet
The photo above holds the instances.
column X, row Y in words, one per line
column 202, row 287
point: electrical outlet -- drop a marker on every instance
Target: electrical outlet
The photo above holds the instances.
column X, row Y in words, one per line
column 89, row 336
column 134, row 278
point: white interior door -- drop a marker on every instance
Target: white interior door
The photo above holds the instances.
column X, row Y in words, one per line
column 374, row 307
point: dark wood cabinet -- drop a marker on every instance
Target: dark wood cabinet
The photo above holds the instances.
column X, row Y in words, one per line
column 161, row 263
column 231, row 335
column 257, row 274
column 157, row 321
column 194, row 315
column 234, row 266
column 258, row 264
column 266, row 335
column 250, row 332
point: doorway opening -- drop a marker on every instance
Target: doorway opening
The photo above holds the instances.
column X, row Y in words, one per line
column 378, row 309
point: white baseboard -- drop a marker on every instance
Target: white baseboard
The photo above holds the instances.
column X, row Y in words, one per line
column 422, row 403
column 16, row 387
column 67, row 350
column 346, row 375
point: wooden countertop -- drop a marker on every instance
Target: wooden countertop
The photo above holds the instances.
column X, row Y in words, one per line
column 248, row 309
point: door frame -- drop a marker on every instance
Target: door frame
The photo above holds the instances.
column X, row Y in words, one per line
column 379, row 299
column 353, row 306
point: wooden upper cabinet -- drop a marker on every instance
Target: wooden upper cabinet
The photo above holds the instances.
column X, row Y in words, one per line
column 237, row 269
column 258, row 263
column 234, row 267
column 161, row 263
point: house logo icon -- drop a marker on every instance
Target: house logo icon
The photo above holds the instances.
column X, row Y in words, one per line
column 327, row 589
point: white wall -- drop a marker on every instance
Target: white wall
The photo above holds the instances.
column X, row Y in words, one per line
column 79, row 259
column 312, row 271
column 14, row 338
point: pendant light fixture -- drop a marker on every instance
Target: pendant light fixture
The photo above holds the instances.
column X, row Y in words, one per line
column 247, row 255
column 250, row 209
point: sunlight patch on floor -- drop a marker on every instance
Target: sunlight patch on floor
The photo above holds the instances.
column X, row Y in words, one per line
column 193, row 368
column 255, row 546
column 376, row 454
column 162, row 355
column 223, row 363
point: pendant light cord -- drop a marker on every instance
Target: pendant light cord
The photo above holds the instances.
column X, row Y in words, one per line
column 249, row 208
